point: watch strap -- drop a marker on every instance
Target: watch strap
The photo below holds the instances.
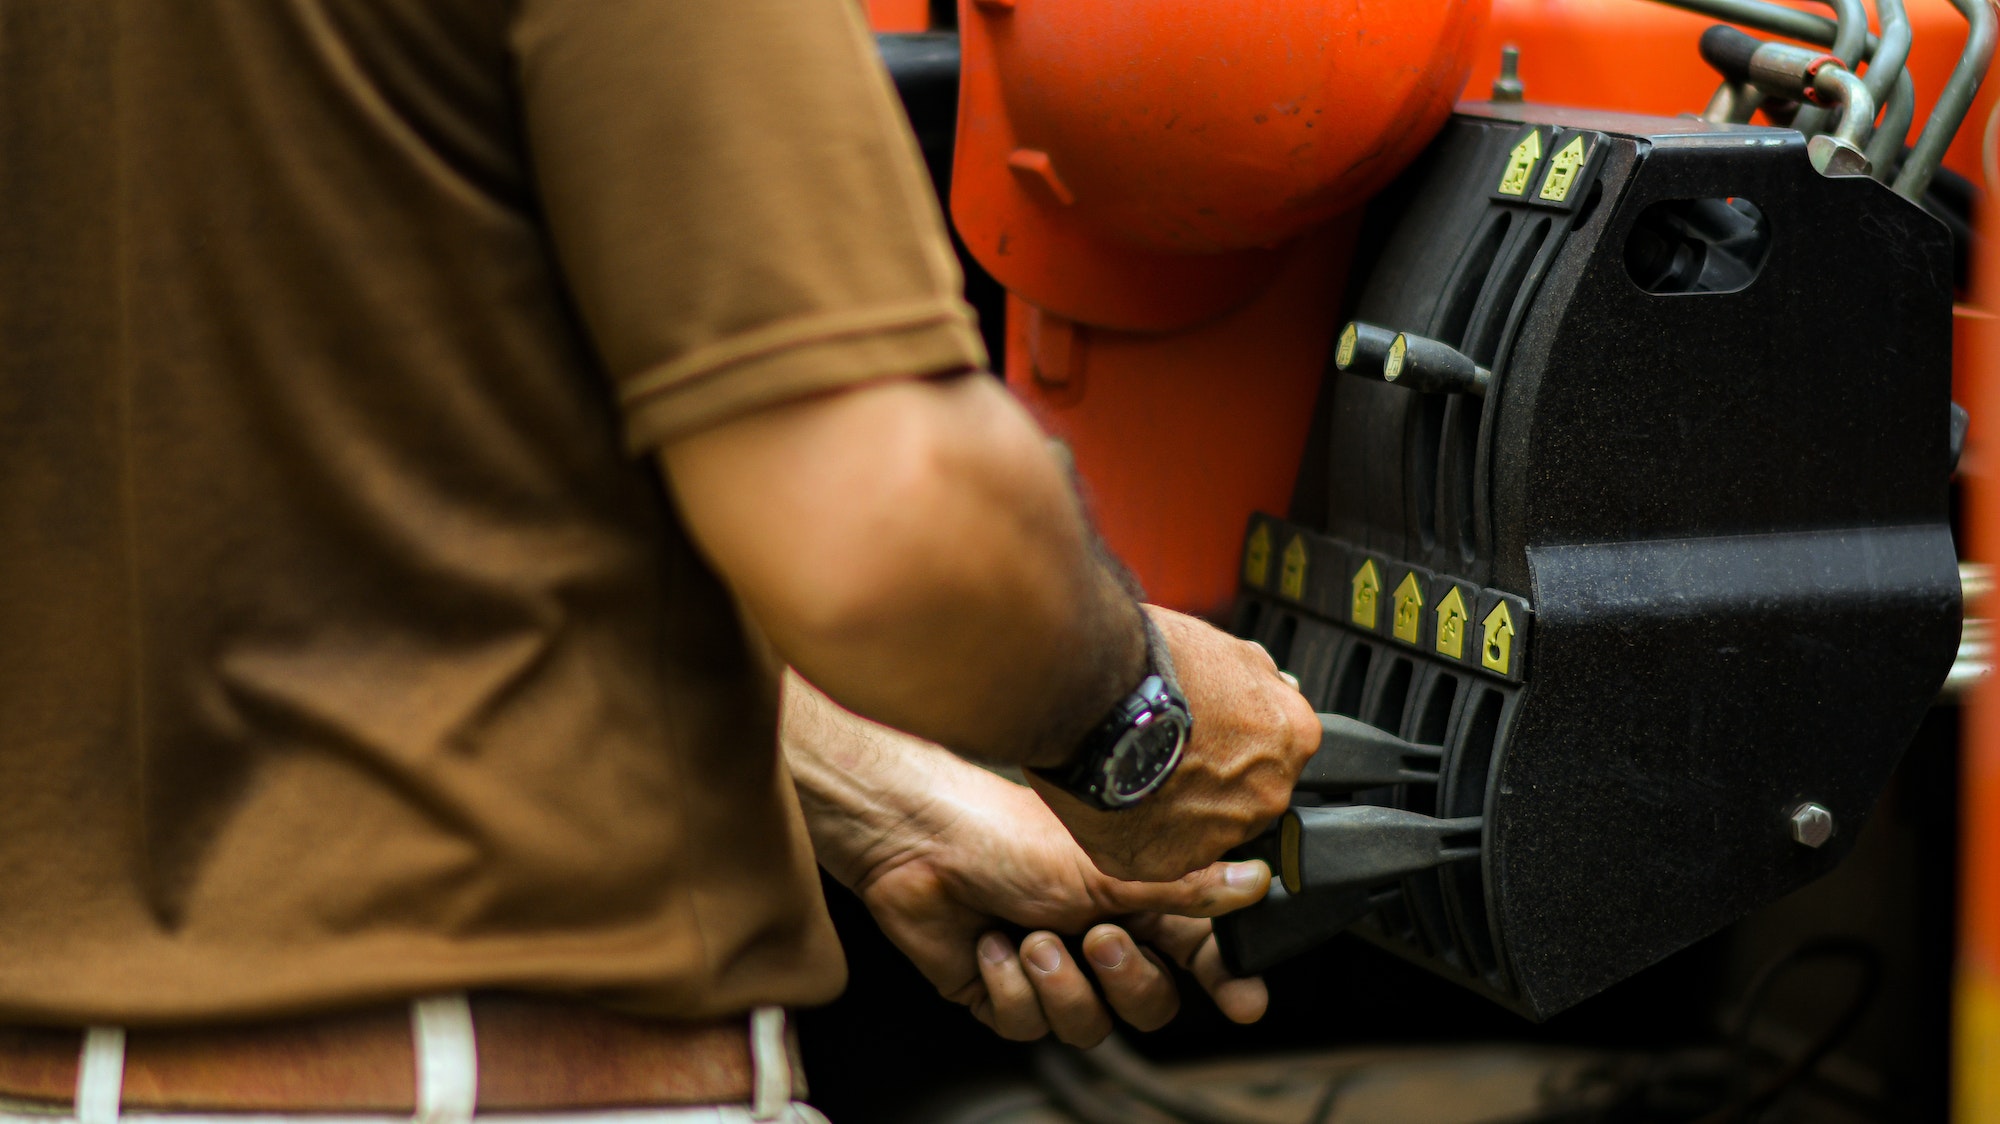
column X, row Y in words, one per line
column 1073, row 776
column 1159, row 657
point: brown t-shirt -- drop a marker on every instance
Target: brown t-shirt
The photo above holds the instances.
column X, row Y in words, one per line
column 347, row 650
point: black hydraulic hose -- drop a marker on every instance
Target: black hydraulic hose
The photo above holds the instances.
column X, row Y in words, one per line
column 1953, row 101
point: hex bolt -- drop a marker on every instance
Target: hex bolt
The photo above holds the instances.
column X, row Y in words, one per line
column 1507, row 87
column 1812, row 824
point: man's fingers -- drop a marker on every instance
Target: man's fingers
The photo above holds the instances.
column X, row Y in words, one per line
column 1191, row 944
column 1137, row 986
column 1242, row 1000
column 1072, row 1009
column 1214, row 890
column 1017, row 1013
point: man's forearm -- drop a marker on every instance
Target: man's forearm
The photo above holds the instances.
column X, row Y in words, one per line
column 915, row 551
column 868, row 792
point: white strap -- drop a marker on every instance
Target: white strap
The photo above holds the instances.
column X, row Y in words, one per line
column 447, row 1059
column 100, row 1075
column 771, row 1062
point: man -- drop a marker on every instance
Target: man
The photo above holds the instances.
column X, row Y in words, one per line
column 357, row 653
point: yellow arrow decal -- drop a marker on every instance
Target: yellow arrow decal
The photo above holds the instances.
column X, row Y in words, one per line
column 1451, row 624
column 1521, row 164
column 1257, row 557
column 1563, row 170
column 1409, row 610
column 1497, row 653
column 1292, row 576
column 1367, row 588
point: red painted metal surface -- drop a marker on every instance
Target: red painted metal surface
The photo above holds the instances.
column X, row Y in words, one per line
column 1161, row 188
column 1140, row 167
column 899, row 15
column 1179, row 436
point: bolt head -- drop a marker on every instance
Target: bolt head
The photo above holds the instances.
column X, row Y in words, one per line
column 1812, row 824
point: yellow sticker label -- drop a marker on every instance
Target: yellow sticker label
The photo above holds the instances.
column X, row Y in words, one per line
column 1292, row 574
column 1563, row 169
column 1497, row 650
column 1452, row 617
column 1257, row 557
column 1521, row 164
column 1409, row 621
column 1398, row 351
column 1367, row 595
column 1349, row 338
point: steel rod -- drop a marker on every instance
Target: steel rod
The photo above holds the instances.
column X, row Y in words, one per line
column 1849, row 40
column 1953, row 101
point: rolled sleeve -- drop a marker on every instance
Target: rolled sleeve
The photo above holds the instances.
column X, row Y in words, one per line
column 736, row 204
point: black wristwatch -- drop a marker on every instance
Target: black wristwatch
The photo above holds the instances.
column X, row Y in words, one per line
column 1134, row 750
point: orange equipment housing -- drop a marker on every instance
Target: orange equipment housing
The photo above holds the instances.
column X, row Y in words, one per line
column 1171, row 198
column 1126, row 176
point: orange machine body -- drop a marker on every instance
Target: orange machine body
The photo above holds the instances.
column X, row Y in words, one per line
column 1170, row 196
column 1161, row 191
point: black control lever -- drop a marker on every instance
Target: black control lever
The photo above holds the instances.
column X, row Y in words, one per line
column 1330, row 864
column 1354, row 755
column 1324, row 850
column 1253, row 941
column 1404, row 359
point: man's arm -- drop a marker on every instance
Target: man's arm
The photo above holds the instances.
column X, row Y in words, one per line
column 943, row 853
column 913, row 549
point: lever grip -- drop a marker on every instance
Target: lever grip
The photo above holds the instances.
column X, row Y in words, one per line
column 1335, row 849
column 1374, row 352
column 1421, row 363
column 1354, row 755
column 1255, row 940
column 1363, row 349
column 1728, row 51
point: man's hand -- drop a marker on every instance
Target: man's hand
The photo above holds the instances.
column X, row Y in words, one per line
column 1253, row 733
column 944, row 854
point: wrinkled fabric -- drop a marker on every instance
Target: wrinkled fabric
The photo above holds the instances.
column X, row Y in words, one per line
column 347, row 650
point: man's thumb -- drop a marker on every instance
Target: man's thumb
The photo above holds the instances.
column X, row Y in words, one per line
column 1213, row 890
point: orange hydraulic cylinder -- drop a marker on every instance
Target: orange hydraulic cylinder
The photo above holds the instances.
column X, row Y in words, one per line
column 1179, row 437
column 1170, row 193
column 1143, row 166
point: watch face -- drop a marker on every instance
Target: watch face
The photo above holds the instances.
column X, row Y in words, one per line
column 1144, row 756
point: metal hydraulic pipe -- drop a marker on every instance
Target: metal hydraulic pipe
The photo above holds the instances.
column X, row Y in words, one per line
column 1850, row 39
column 1890, row 135
column 1840, row 152
column 1890, row 83
column 1885, row 65
column 1733, row 104
column 1803, row 75
column 1788, row 22
column 1953, row 101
